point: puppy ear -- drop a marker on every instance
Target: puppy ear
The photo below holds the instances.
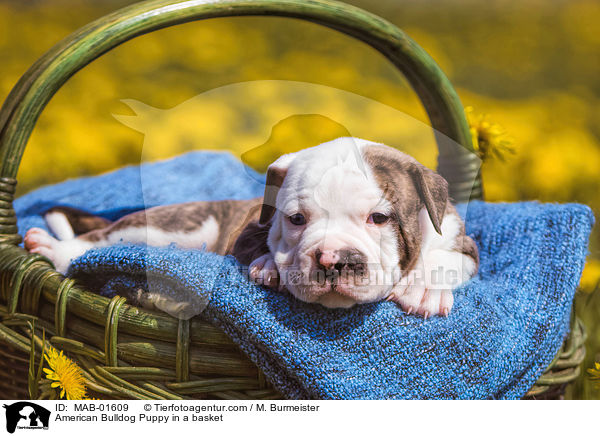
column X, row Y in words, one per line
column 394, row 169
column 276, row 173
column 433, row 190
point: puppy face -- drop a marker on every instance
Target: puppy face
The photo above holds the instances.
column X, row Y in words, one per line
column 344, row 220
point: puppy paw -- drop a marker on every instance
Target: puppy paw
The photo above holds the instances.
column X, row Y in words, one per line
column 263, row 271
column 59, row 252
column 424, row 301
column 39, row 241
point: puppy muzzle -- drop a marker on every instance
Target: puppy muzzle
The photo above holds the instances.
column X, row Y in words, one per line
column 334, row 274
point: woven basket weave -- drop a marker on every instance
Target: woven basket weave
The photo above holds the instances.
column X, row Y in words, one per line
column 127, row 352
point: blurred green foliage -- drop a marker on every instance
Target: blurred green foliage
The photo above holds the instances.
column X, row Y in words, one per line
column 532, row 66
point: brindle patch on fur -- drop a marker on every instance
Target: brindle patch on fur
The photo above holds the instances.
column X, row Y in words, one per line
column 410, row 186
column 392, row 177
column 81, row 221
column 232, row 215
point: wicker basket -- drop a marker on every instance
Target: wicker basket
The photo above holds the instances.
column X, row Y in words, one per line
column 127, row 352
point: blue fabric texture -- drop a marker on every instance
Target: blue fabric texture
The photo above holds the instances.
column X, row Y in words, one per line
column 506, row 325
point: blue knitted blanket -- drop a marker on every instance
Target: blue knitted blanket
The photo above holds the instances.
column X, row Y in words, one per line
column 506, row 325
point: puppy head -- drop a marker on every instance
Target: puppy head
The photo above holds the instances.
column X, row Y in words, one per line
column 344, row 219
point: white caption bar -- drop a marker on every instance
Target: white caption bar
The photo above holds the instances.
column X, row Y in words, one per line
column 298, row 417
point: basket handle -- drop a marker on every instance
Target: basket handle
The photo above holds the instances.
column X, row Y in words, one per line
column 456, row 160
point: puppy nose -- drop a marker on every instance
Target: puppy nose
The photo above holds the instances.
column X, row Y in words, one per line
column 349, row 258
column 327, row 258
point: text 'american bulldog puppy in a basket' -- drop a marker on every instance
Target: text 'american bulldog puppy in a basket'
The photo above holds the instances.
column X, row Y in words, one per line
column 343, row 223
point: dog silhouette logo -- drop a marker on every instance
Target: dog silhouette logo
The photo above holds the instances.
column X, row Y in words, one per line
column 26, row 415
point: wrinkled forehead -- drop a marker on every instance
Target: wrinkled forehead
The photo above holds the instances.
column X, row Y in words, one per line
column 330, row 177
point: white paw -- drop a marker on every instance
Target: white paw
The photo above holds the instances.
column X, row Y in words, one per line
column 39, row 241
column 427, row 290
column 425, row 302
column 263, row 271
column 423, row 299
column 59, row 252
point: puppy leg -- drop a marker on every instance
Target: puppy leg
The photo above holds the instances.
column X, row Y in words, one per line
column 61, row 253
column 446, row 261
column 429, row 288
column 65, row 223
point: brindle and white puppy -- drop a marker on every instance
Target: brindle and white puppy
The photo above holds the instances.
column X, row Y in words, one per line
column 343, row 223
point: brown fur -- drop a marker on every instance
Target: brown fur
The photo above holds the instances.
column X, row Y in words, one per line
column 239, row 231
column 409, row 186
column 275, row 176
column 251, row 243
column 81, row 221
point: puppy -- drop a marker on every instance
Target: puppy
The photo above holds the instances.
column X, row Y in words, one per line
column 343, row 223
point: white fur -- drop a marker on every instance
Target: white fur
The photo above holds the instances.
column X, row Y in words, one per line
column 63, row 252
column 427, row 289
column 263, row 270
column 59, row 225
column 207, row 234
column 438, row 251
column 334, row 188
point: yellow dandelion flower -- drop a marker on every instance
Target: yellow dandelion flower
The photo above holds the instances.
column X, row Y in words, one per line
column 64, row 374
column 594, row 374
column 489, row 139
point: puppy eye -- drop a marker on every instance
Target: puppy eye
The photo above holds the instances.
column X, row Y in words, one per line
column 297, row 219
column 377, row 218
